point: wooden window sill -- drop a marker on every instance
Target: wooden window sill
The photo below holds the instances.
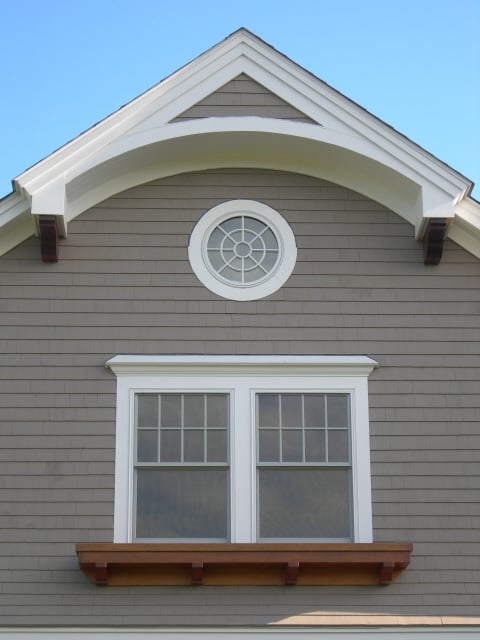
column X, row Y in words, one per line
column 243, row 564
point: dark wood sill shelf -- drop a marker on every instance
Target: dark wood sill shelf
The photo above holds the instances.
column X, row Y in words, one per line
column 243, row 564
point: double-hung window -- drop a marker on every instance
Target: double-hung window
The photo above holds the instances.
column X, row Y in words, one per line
column 181, row 465
column 242, row 449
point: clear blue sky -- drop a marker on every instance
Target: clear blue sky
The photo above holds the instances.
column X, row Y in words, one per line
column 66, row 64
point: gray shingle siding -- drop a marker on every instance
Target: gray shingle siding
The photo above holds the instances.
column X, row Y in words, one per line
column 243, row 96
column 124, row 285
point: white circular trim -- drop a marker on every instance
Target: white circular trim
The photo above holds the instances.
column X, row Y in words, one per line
column 197, row 251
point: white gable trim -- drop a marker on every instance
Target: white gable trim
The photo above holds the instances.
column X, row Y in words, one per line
column 370, row 157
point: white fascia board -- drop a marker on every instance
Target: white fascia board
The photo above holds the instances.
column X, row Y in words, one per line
column 468, row 210
column 293, row 83
column 122, row 120
column 321, row 365
column 16, row 224
column 12, row 206
column 465, row 228
column 16, row 231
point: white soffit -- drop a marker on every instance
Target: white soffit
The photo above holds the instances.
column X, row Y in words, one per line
column 349, row 146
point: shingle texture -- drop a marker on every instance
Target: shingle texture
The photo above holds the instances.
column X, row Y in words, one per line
column 124, row 285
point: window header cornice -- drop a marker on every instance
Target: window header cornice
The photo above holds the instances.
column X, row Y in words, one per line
column 318, row 365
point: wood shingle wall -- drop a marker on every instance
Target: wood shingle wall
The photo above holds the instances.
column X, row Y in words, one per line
column 124, row 285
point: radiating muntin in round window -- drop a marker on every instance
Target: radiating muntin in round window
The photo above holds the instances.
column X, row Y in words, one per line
column 242, row 250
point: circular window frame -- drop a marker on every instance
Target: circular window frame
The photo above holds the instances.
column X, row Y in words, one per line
column 287, row 248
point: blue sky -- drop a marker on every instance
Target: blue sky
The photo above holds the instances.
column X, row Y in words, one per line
column 66, row 64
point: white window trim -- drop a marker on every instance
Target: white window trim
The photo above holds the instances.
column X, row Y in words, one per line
column 202, row 230
column 242, row 375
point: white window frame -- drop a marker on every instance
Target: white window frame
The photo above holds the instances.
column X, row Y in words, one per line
column 197, row 251
column 242, row 376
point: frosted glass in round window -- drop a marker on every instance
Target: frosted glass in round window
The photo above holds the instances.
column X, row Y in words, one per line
column 242, row 250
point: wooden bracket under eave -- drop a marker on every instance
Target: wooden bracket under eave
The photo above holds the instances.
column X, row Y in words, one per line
column 433, row 240
column 48, row 229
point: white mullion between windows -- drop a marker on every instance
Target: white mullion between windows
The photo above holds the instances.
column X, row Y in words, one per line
column 159, row 429
column 182, row 420
column 205, row 410
column 302, row 396
column 325, row 416
column 242, row 469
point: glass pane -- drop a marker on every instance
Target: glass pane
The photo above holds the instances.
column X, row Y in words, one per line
column 258, row 248
column 270, row 260
column 231, row 274
column 270, row 240
column 254, row 225
column 304, row 503
column 292, row 445
column 231, row 224
column 217, row 410
column 314, row 445
column 338, row 446
column 193, row 408
column 182, row 503
column 314, row 410
column 147, row 410
column 147, row 445
column 216, row 238
column 193, row 446
column 337, row 411
column 291, row 410
column 170, row 445
column 268, row 415
column 216, row 445
column 171, row 410
column 269, row 445
column 251, row 275
column 216, row 259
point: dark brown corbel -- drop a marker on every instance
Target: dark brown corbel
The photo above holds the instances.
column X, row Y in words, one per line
column 197, row 572
column 386, row 572
column 433, row 240
column 47, row 226
column 101, row 573
column 293, row 569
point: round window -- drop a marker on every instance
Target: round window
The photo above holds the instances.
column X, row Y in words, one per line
column 242, row 250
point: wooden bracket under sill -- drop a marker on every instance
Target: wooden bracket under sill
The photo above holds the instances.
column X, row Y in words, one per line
column 243, row 564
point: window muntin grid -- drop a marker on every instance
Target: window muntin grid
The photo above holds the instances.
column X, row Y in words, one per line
column 182, row 428
column 303, row 428
column 243, row 250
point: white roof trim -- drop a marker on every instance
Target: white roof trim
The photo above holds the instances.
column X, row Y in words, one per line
column 373, row 156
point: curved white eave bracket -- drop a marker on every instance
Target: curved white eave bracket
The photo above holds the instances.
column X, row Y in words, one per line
column 413, row 190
